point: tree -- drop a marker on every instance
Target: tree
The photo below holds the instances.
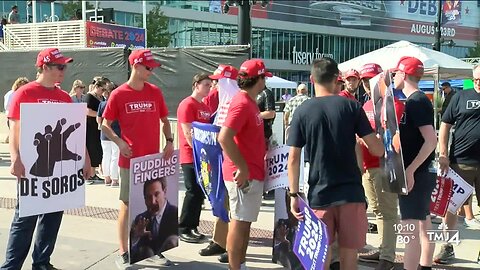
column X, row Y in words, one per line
column 475, row 51
column 70, row 9
column 157, row 28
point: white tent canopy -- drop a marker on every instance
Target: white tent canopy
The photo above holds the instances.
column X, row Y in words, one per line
column 448, row 67
column 277, row 82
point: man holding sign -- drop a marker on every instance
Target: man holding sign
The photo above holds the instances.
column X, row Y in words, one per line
column 327, row 127
column 51, row 66
column 137, row 105
column 464, row 157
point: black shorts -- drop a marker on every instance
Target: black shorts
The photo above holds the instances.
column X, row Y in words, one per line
column 416, row 205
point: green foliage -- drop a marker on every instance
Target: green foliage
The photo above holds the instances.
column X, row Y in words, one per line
column 157, row 28
column 70, row 8
column 475, row 51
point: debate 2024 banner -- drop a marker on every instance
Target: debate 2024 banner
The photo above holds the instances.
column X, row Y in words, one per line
column 112, row 35
column 208, row 158
column 52, row 148
column 153, row 207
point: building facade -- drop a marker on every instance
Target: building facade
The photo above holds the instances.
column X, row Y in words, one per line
column 290, row 34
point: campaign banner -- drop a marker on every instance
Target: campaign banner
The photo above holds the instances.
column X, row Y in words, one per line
column 387, row 126
column 208, row 159
column 311, row 240
column 52, row 148
column 153, row 205
column 276, row 171
column 461, row 191
column 441, row 195
column 113, row 35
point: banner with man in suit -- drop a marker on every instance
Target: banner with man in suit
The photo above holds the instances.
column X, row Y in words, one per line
column 153, row 211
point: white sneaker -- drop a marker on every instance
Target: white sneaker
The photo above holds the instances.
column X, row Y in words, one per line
column 159, row 260
column 472, row 223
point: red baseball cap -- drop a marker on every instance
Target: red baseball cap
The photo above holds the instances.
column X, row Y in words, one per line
column 339, row 78
column 225, row 71
column 143, row 57
column 370, row 70
column 51, row 56
column 352, row 73
column 410, row 65
column 254, row 67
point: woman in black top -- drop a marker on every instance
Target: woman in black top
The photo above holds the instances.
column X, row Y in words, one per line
column 94, row 146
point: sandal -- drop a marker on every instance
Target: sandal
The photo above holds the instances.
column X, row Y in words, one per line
column 114, row 183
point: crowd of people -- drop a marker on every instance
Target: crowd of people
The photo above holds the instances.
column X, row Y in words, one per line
column 336, row 128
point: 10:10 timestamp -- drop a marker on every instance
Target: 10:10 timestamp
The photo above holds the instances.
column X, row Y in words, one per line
column 404, row 232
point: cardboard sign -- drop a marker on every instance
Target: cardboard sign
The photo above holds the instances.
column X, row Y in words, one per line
column 153, row 212
column 461, row 190
column 441, row 196
column 311, row 240
column 52, row 148
column 386, row 124
column 276, row 169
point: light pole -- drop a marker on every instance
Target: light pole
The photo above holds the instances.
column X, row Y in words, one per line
column 438, row 24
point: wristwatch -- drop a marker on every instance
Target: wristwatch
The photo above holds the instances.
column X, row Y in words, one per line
column 170, row 140
column 293, row 194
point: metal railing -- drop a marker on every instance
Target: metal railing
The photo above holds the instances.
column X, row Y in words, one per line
column 33, row 36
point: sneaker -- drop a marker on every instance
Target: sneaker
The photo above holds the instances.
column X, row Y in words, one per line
column 472, row 223
column 122, row 261
column 371, row 256
column 446, row 255
column 385, row 265
column 160, row 260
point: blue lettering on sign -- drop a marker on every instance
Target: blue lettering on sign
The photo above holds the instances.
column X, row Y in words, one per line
column 424, row 7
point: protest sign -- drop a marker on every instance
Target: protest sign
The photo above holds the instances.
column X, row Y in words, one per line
column 153, row 201
column 52, row 148
column 311, row 240
column 276, row 169
column 208, row 158
column 461, row 191
column 387, row 126
column 441, row 196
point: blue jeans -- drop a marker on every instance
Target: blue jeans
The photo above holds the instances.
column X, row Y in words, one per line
column 20, row 239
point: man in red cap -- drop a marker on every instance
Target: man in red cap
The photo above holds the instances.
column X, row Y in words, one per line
column 418, row 140
column 226, row 87
column 189, row 110
column 352, row 80
column 123, row 106
column 383, row 204
column 340, row 83
column 51, row 66
column 244, row 167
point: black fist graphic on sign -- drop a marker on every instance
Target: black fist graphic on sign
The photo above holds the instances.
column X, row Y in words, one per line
column 52, row 147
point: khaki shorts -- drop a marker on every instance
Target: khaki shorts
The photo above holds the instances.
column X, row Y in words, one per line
column 245, row 206
column 124, row 184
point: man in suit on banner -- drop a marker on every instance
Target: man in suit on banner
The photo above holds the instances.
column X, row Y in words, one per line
column 154, row 230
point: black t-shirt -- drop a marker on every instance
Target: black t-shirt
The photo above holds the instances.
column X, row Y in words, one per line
column 464, row 112
column 326, row 127
column 266, row 102
column 418, row 112
column 92, row 102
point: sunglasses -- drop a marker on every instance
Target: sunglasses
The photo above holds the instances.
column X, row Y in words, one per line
column 60, row 67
